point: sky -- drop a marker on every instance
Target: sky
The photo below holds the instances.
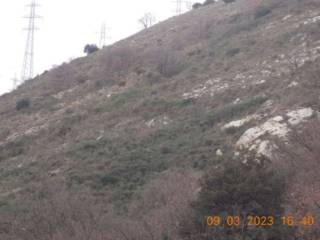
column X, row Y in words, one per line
column 66, row 27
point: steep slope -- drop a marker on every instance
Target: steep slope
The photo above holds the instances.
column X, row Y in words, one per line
column 215, row 81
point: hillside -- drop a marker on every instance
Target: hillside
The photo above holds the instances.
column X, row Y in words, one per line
column 158, row 108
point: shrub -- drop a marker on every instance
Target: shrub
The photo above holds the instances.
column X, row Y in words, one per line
column 229, row 111
column 261, row 12
column 108, row 179
column 207, row 2
column 122, row 83
column 119, row 60
column 196, row 5
column 90, row 48
column 12, row 149
column 169, row 64
column 228, row 1
column 232, row 52
column 239, row 189
column 22, row 104
column 55, row 213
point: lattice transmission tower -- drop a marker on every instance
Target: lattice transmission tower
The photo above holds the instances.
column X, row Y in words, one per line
column 27, row 67
column 179, row 5
column 104, row 36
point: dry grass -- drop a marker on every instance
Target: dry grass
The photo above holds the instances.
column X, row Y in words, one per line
column 93, row 111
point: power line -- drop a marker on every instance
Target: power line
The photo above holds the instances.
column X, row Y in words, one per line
column 28, row 60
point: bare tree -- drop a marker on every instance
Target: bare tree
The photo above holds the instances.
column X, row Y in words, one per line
column 147, row 20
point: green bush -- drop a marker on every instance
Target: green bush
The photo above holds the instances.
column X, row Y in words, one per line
column 12, row 149
column 23, row 104
column 261, row 12
column 228, row 1
column 229, row 111
column 90, row 48
column 196, row 5
column 240, row 189
column 108, row 179
column 232, row 52
column 208, row 2
column 122, row 98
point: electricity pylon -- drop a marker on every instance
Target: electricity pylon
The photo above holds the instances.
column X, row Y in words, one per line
column 15, row 81
column 104, row 36
column 27, row 67
column 178, row 7
column 179, row 3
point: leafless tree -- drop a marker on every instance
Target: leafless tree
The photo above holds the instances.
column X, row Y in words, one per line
column 147, row 20
column 58, row 213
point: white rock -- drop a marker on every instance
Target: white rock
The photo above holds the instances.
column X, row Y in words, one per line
column 159, row 121
column 99, row 138
column 312, row 20
column 55, row 172
column 219, row 152
column 278, row 119
column 286, row 17
column 239, row 123
column 293, row 84
column 211, row 87
column 265, row 149
column 299, row 116
column 275, row 126
column 237, row 100
column 260, row 82
column 272, row 126
column 150, row 123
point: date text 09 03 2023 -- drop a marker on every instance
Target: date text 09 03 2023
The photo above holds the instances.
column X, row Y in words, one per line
column 259, row 221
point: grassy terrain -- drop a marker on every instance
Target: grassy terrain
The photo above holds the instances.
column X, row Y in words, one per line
column 118, row 121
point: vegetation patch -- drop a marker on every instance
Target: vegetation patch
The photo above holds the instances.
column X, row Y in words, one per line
column 12, row 149
column 232, row 110
column 23, row 104
column 262, row 11
column 156, row 106
column 234, row 188
column 232, row 52
column 121, row 99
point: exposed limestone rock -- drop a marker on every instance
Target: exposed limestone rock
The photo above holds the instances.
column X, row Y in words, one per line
column 219, row 153
column 298, row 116
column 273, row 126
column 160, row 121
column 211, row 87
column 239, row 123
column 312, row 20
column 55, row 172
column 265, row 148
column 276, row 126
column 293, row 84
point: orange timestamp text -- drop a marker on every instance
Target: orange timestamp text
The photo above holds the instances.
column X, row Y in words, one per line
column 259, row 221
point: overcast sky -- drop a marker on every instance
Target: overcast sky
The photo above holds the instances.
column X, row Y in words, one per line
column 65, row 27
